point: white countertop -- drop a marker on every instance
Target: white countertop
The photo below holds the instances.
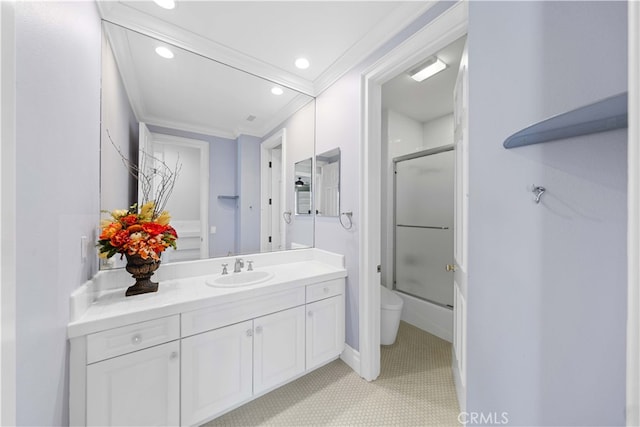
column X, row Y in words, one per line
column 110, row 308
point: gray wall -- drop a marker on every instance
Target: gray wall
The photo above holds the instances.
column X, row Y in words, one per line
column 57, row 186
column 547, row 283
column 120, row 125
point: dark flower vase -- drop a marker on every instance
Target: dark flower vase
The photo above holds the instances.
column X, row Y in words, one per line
column 141, row 269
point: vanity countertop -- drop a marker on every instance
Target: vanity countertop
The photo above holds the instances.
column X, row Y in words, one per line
column 110, row 308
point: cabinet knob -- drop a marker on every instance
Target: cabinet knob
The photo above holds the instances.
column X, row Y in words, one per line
column 258, row 329
column 136, row 339
column 173, row 355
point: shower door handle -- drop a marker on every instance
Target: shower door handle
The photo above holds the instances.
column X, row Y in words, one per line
column 451, row 267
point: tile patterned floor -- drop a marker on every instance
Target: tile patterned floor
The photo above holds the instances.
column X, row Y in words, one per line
column 415, row 388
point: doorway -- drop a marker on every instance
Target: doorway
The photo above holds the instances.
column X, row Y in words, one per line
column 273, row 214
column 418, row 191
column 450, row 26
column 189, row 201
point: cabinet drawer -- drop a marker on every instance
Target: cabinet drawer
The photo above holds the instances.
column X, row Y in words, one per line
column 323, row 290
column 117, row 341
column 217, row 316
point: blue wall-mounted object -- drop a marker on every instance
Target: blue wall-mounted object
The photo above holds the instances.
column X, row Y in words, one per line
column 607, row 114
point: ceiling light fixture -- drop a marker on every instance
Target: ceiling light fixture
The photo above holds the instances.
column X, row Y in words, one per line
column 430, row 67
column 277, row 90
column 165, row 4
column 164, row 52
column 302, row 63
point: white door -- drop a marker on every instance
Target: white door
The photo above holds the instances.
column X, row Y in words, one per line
column 216, row 371
column 325, row 330
column 145, row 162
column 461, row 141
column 137, row 389
column 275, row 200
column 189, row 201
column 273, row 216
column 278, row 348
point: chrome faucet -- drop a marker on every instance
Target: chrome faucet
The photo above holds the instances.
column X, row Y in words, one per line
column 237, row 268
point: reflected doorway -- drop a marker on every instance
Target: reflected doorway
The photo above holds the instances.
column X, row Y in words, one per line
column 189, row 201
column 273, row 215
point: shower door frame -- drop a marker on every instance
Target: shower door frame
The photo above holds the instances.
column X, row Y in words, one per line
column 396, row 160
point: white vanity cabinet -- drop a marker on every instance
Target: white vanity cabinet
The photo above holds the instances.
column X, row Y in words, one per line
column 227, row 366
column 133, row 381
column 194, row 365
column 278, row 348
column 216, row 371
column 325, row 326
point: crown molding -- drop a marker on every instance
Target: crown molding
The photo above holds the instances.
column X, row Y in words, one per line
column 135, row 20
column 188, row 127
column 386, row 30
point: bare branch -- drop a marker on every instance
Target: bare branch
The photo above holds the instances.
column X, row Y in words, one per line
column 152, row 174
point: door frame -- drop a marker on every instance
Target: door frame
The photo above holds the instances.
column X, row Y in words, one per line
column 203, row 146
column 447, row 28
column 633, row 215
column 277, row 139
column 8, row 191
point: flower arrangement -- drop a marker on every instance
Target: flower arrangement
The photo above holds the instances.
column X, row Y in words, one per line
column 142, row 232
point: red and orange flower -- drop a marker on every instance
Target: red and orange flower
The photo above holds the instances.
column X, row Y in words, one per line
column 134, row 232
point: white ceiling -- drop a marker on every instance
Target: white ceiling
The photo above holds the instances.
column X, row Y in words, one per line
column 265, row 37
column 430, row 99
column 193, row 93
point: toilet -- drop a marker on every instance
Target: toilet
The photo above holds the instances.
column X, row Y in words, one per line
column 390, row 312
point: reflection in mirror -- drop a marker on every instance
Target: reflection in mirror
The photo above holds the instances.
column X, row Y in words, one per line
column 302, row 187
column 215, row 118
column 328, row 183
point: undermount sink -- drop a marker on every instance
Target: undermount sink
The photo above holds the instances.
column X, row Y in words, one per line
column 245, row 278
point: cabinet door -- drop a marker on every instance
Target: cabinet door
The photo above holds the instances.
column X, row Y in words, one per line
column 136, row 389
column 216, row 371
column 325, row 330
column 278, row 348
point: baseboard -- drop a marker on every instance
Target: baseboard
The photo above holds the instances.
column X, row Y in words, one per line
column 461, row 390
column 352, row 358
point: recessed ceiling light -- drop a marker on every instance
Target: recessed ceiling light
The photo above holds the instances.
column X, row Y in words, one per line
column 165, row 4
column 164, row 52
column 302, row 63
column 277, row 90
column 429, row 68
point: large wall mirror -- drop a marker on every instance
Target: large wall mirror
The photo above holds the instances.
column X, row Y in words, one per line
column 236, row 136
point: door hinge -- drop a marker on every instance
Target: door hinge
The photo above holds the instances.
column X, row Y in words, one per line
column 269, row 164
column 269, row 201
column 269, row 239
column 379, row 268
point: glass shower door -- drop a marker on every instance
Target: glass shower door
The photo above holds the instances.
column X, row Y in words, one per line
column 424, row 214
